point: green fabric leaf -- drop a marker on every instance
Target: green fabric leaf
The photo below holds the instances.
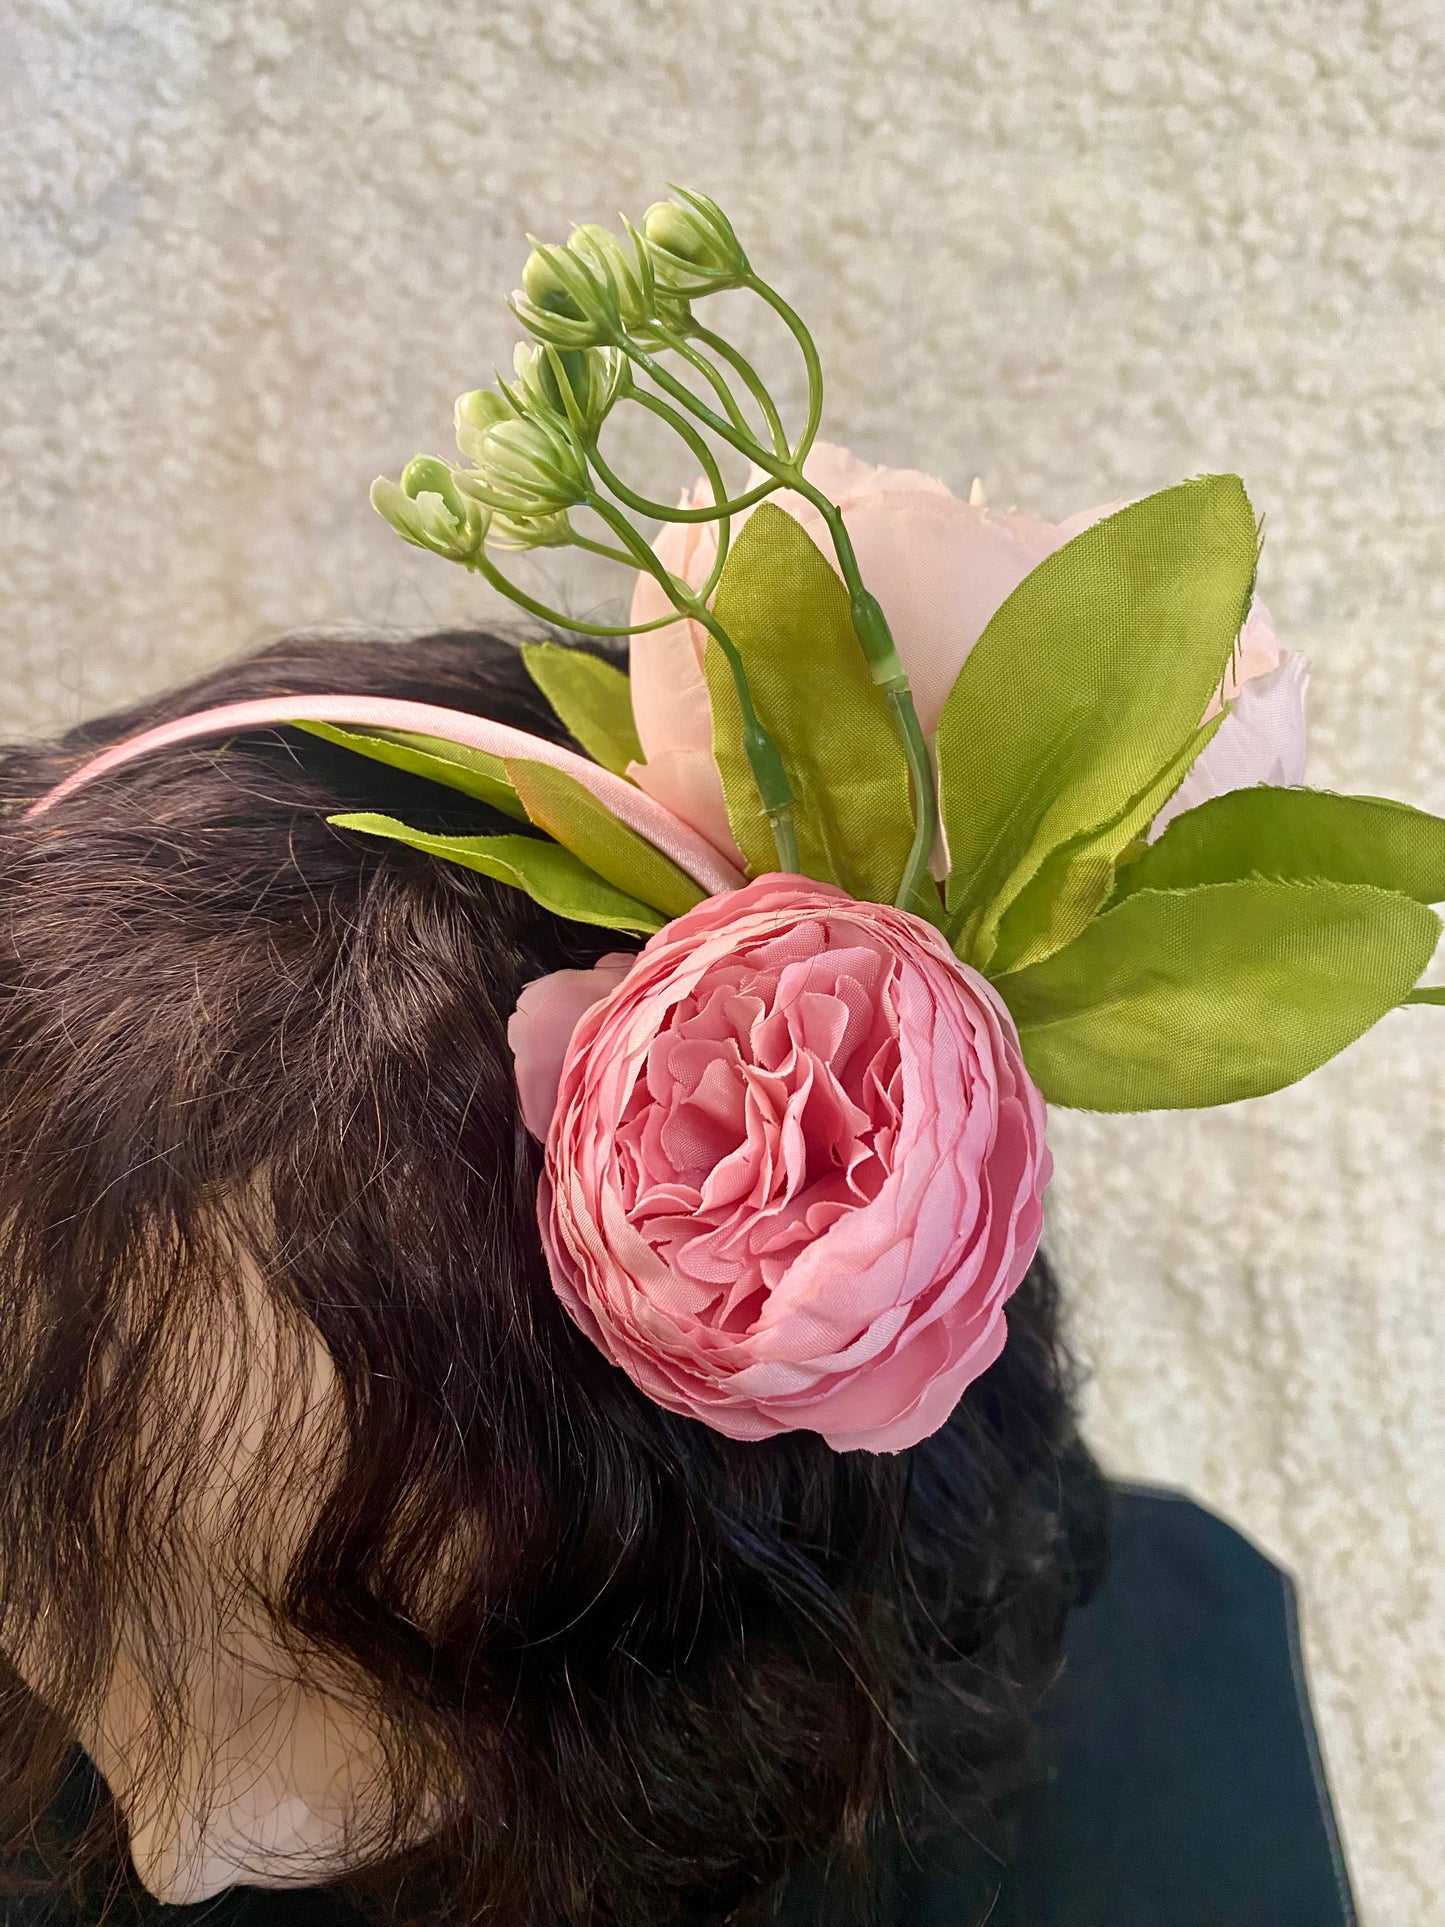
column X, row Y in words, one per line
column 1087, row 683
column 568, row 811
column 471, row 771
column 592, row 698
column 1074, row 880
column 1272, row 832
column 1181, row 998
column 787, row 612
column 550, row 875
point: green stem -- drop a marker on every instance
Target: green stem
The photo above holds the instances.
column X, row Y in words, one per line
column 641, row 553
column 665, row 511
column 753, row 381
column 721, row 510
column 489, row 572
column 925, row 796
column 670, row 338
column 798, row 329
column 774, row 791
column 600, row 548
column 870, row 625
column 745, row 442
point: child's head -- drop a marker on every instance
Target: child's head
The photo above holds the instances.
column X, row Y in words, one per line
column 309, row 1482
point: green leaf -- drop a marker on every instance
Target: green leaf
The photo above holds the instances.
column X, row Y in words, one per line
column 787, row 612
column 1088, row 682
column 1271, row 832
column 471, row 771
column 1180, row 998
column 1073, row 880
column 592, row 698
column 568, row 811
column 549, row 874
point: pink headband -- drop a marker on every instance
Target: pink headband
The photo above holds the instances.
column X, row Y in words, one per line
column 630, row 805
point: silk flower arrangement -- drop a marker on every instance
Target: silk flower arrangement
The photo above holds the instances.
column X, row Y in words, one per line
column 1050, row 845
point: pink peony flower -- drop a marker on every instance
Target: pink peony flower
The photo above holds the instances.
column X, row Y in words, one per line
column 940, row 567
column 795, row 1166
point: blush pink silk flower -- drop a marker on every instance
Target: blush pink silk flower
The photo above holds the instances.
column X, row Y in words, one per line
column 940, row 567
column 794, row 1163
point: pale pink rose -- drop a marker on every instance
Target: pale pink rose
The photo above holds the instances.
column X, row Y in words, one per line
column 940, row 567
column 795, row 1167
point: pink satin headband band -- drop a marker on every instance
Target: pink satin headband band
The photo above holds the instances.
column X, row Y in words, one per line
column 630, row 805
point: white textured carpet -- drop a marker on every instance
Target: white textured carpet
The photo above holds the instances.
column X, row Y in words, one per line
column 251, row 251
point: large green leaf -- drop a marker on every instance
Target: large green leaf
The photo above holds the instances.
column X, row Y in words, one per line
column 1272, row 832
column 471, row 771
column 1179, row 998
column 592, row 698
column 787, row 612
column 1088, row 682
column 550, row 875
column 1073, row 880
column 568, row 811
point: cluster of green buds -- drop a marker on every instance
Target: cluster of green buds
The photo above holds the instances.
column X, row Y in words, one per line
column 611, row 320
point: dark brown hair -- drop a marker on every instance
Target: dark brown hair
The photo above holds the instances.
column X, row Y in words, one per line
column 661, row 1667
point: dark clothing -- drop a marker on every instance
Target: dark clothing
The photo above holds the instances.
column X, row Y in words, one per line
column 1184, row 1784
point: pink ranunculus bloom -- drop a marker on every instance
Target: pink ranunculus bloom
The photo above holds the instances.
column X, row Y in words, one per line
column 940, row 567
column 795, row 1166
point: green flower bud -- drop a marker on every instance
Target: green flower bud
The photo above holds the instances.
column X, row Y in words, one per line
column 627, row 271
column 579, row 383
column 542, row 284
column 525, row 466
column 565, row 300
column 428, row 510
column 475, row 412
column 692, row 245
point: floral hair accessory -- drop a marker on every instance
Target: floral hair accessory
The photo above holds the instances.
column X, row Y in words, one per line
column 927, row 816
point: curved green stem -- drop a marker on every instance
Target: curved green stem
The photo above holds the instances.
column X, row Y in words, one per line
column 671, row 339
column 774, row 791
column 489, row 572
column 666, row 511
column 869, row 623
column 721, row 510
column 640, row 553
column 745, row 371
column 600, row 548
column 722, row 504
column 745, row 442
column 808, row 348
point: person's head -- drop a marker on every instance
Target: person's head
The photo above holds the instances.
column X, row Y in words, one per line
column 321, row 1523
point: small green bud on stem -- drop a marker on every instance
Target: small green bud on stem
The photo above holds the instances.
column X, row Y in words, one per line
column 473, row 414
column 692, row 244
